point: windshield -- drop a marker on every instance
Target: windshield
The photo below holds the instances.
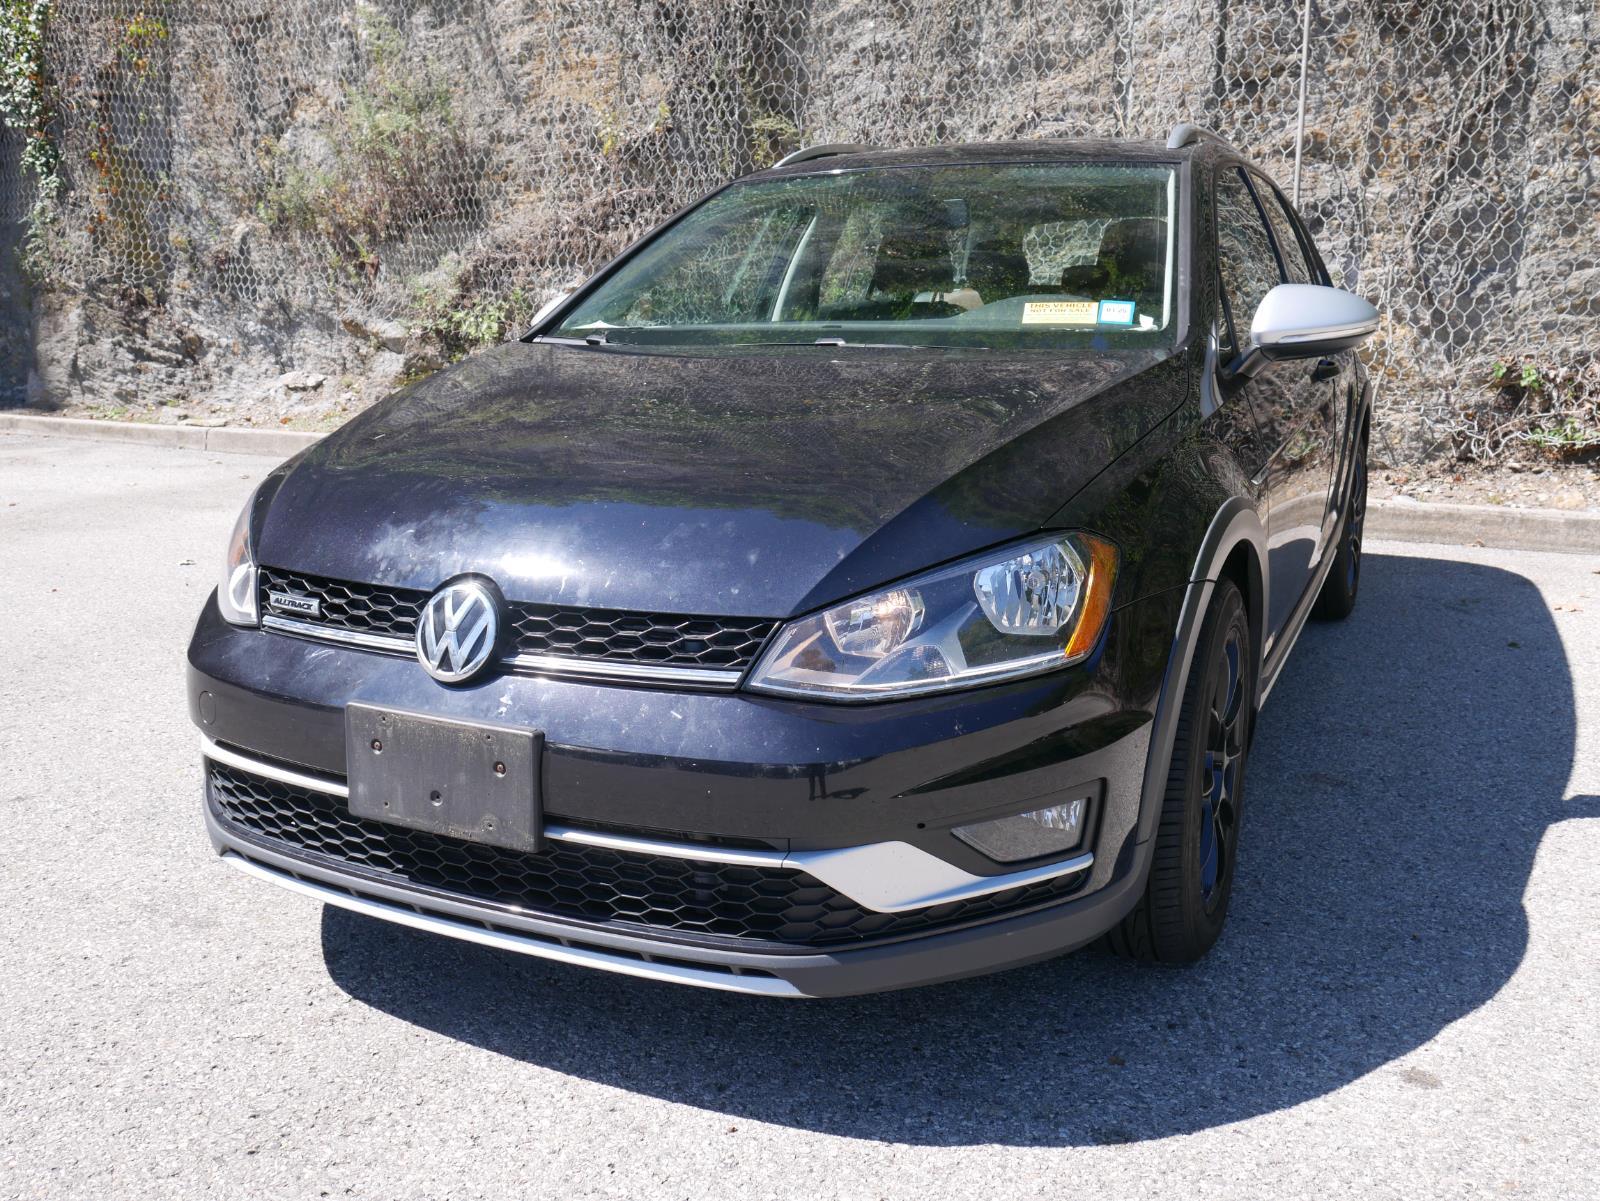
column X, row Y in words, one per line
column 1050, row 256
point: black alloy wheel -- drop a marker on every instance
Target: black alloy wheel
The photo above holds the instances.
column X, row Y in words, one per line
column 1185, row 904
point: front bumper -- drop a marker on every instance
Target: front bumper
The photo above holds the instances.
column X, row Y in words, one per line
column 863, row 798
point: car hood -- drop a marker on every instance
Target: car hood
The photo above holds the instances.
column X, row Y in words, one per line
column 749, row 484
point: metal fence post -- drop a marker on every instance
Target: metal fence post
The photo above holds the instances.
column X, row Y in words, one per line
column 1127, row 95
column 1300, row 123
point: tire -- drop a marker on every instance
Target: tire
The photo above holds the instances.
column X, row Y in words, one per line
column 1185, row 903
column 1338, row 595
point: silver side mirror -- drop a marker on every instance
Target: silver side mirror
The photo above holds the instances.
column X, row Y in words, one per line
column 1305, row 321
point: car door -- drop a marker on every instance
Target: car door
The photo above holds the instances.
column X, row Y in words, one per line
column 1337, row 376
column 1292, row 400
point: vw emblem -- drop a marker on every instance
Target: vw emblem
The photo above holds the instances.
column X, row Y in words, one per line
column 458, row 630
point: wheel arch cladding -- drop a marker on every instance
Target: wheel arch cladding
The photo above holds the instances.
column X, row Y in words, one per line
column 1243, row 567
column 1234, row 542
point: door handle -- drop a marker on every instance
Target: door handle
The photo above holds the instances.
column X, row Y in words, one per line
column 1325, row 370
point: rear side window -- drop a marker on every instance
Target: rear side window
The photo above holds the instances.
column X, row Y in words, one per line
column 1247, row 263
column 1299, row 269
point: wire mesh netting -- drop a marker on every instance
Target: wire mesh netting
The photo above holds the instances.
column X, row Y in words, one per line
column 261, row 172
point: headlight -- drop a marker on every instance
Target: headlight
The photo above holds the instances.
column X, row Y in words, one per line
column 1024, row 610
column 236, row 595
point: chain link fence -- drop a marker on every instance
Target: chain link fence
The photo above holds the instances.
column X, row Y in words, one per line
column 370, row 186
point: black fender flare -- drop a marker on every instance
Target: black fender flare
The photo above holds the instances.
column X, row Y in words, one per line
column 1236, row 523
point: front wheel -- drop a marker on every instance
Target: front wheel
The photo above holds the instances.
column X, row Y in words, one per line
column 1185, row 902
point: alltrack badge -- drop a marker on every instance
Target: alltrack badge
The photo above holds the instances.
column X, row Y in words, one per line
column 294, row 602
column 458, row 630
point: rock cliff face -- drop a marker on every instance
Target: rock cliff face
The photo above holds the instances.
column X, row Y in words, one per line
column 362, row 191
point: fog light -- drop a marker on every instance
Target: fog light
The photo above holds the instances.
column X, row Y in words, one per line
column 1028, row 835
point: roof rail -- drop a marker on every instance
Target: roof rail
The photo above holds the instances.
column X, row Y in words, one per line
column 807, row 153
column 1183, row 134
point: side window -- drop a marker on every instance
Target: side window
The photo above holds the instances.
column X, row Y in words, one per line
column 1247, row 264
column 1295, row 264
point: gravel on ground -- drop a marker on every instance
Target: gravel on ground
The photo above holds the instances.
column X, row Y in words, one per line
column 1537, row 484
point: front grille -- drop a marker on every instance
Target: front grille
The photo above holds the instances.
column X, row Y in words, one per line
column 363, row 608
column 686, row 898
column 658, row 639
column 605, row 635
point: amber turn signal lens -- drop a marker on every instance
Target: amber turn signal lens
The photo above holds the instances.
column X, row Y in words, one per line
column 1096, row 607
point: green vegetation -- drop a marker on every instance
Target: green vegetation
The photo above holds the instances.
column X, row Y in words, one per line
column 1526, row 376
column 613, row 137
column 130, row 188
column 141, row 34
column 26, row 95
column 771, row 137
column 1557, row 411
column 462, row 325
column 27, row 105
column 398, row 152
column 1566, row 436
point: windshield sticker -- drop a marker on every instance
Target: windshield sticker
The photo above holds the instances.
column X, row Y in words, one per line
column 1116, row 312
column 1058, row 312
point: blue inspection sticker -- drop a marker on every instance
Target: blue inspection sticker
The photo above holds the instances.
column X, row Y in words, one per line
column 1116, row 312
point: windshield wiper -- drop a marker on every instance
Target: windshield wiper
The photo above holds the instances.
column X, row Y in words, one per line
column 885, row 345
column 602, row 337
column 598, row 338
column 832, row 342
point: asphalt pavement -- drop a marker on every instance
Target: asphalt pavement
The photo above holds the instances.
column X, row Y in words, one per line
column 1406, row 1003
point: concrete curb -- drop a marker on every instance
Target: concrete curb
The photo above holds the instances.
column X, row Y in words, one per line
column 1390, row 520
column 220, row 439
column 1486, row 525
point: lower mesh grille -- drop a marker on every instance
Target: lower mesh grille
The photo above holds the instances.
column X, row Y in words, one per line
column 689, row 898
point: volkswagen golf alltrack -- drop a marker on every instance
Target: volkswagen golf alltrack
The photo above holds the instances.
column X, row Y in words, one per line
column 870, row 578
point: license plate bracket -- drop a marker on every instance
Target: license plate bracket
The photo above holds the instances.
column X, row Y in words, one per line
column 464, row 779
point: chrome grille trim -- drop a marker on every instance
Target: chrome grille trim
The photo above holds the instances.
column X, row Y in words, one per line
column 593, row 838
column 269, row 770
column 603, row 669
column 322, row 633
column 545, row 665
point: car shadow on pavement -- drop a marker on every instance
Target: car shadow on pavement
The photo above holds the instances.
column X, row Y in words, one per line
column 1405, row 770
